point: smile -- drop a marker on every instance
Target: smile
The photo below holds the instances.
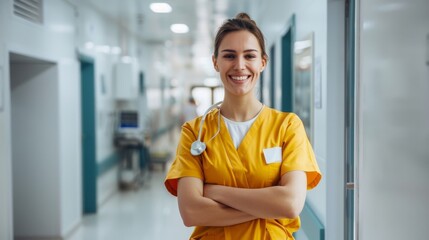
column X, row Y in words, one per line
column 239, row 78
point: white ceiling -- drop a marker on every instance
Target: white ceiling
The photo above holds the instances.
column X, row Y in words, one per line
column 202, row 16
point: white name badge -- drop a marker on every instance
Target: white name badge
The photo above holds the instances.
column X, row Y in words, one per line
column 273, row 155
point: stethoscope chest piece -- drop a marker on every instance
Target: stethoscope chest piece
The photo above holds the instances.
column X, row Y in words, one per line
column 197, row 148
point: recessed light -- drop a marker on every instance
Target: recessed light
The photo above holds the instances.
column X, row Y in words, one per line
column 179, row 28
column 116, row 50
column 160, row 7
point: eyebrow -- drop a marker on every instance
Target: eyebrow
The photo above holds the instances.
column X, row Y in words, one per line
column 233, row 51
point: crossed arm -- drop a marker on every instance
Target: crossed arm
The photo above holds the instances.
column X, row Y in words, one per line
column 216, row 205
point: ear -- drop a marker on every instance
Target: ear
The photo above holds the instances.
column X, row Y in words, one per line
column 215, row 63
column 264, row 64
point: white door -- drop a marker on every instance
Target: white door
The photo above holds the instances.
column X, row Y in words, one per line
column 392, row 146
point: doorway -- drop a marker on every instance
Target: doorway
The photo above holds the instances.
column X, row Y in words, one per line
column 89, row 160
column 288, row 41
column 35, row 145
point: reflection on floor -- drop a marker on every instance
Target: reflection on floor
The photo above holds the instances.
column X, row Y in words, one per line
column 147, row 213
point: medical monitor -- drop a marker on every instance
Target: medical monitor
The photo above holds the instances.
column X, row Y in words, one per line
column 128, row 122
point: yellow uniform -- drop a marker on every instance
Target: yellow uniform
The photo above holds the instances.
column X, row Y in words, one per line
column 246, row 167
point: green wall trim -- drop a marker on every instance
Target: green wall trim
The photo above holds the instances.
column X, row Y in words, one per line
column 107, row 164
column 311, row 224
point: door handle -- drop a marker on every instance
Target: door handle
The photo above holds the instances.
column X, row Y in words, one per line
column 350, row 185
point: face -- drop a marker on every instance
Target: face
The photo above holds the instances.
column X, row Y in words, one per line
column 239, row 62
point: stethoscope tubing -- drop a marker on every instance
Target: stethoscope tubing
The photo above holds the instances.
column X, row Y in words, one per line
column 197, row 146
column 204, row 117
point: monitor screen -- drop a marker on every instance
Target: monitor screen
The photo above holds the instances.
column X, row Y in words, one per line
column 128, row 120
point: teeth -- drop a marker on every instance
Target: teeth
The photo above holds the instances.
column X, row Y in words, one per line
column 239, row 78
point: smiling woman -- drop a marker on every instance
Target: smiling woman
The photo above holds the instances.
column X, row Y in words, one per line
column 251, row 181
column 239, row 64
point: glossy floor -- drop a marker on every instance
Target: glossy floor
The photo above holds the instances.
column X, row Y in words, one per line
column 146, row 213
column 149, row 212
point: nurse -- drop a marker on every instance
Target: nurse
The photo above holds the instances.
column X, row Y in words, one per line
column 250, row 182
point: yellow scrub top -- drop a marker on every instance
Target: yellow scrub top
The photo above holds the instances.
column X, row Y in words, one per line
column 245, row 167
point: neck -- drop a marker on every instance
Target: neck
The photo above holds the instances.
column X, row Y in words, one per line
column 240, row 109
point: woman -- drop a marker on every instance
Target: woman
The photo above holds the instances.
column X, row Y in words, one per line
column 251, row 180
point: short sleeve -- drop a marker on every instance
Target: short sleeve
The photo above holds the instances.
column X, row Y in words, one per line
column 184, row 164
column 298, row 153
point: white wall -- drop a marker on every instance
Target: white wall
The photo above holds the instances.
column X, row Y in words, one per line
column 6, row 219
column 393, row 120
column 311, row 17
column 70, row 149
column 54, row 40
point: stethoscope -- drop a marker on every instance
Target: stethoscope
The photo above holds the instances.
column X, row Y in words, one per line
column 199, row 147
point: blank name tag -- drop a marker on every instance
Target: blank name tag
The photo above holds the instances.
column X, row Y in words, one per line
column 273, row 155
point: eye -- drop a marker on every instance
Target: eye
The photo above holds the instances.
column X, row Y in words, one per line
column 229, row 56
column 250, row 56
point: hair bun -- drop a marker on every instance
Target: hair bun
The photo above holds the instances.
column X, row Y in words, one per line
column 243, row 16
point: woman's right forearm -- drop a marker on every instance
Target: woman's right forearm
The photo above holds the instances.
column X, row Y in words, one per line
column 197, row 210
column 210, row 213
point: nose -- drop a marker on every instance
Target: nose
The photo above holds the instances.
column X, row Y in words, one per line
column 240, row 63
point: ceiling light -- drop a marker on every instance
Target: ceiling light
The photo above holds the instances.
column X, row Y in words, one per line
column 127, row 59
column 102, row 48
column 89, row 45
column 179, row 28
column 116, row 50
column 160, row 7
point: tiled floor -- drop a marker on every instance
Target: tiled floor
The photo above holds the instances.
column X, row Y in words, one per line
column 148, row 213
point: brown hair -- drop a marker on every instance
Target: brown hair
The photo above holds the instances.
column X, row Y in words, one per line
column 241, row 22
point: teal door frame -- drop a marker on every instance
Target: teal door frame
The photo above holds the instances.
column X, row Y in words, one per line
column 288, row 42
column 350, row 47
column 273, row 75
column 89, row 160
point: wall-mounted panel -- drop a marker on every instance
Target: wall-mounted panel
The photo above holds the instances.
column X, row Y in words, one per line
column 126, row 81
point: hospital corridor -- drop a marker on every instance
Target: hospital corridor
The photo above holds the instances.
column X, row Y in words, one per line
column 214, row 119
